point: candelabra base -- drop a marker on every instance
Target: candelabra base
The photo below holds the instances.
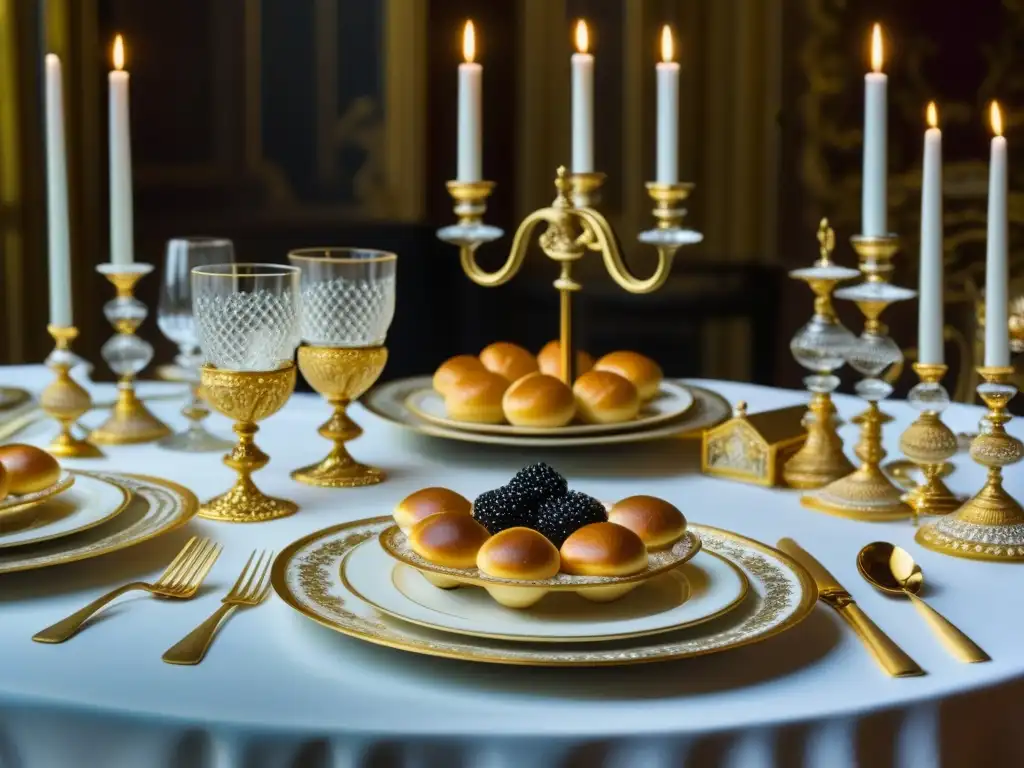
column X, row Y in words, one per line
column 65, row 400
column 821, row 459
column 865, row 494
column 932, row 497
column 130, row 421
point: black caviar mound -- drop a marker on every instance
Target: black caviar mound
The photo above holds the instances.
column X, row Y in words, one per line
column 561, row 516
column 503, row 508
column 537, row 483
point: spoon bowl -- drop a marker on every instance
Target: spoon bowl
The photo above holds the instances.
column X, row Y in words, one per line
column 889, row 568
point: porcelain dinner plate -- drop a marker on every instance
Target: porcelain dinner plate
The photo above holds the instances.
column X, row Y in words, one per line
column 156, row 507
column 16, row 504
column 90, row 502
column 704, row 588
column 781, row 594
column 671, row 402
column 388, row 401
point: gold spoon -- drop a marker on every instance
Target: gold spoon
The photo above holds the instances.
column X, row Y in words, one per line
column 891, row 569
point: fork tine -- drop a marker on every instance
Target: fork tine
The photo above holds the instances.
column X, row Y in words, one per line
column 171, row 575
column 235, row 590
column 185, row 552
column 196, row 581
column 188, row 581
column 252, row 576
column 264, row 593
column 194, row 563
column 260, row 586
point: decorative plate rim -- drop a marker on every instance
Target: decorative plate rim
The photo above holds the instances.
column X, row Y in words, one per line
column 20, row 504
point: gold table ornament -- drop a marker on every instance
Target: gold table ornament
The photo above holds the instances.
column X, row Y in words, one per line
column 820, row 346
column 340, row 375
column 65, row 400
column 127, row 354
column 866, row 493
column 990, row 525
column 753, row 448
column 928, row 442
column 573, row 227
column 247, row 397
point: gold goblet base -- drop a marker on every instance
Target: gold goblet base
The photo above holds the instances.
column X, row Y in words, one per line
column 340, row 374
column 245, row 503
column 820, row 460
column 66, row 446
column 130, row 422
column 866, row 494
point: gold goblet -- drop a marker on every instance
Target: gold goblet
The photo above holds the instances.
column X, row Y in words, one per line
column 247, row 397
column 341, row 375
column 348, row 302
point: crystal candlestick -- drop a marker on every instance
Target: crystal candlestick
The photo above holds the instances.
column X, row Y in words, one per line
column 127, row 355
column 64, row 399
column 820, row 346
column 866, row 493
column 989, row 526
column 928, row 443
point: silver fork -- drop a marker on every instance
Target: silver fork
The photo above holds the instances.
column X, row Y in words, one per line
column 251, row 589
column 180, row 581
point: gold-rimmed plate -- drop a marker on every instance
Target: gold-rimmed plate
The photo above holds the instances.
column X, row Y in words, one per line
column 90, row 502
column 388, row 402
column 671, row 402
column 17, row 504
column 703, row 589
column 781, row 595
column 157, row 506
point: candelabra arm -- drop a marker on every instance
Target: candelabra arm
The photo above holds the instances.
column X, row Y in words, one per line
column 516, row 256
column 598, row 231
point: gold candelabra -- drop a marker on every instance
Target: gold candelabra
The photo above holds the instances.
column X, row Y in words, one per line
column 928, row 442
column 990, row 525
column 573, row 227
column 65, row 400
column 866, row 493
column 127, row 354
column 820, row 347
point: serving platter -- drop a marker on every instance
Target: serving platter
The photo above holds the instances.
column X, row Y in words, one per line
column 21, row 502
column 518, row 593
column 306, row 577
column 90, row 502
column 388, row 401
column 703, row 589
column 157, row 506
column 671, row 402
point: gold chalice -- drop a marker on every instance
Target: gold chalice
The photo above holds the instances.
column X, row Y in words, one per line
column 247, row 319
column 348, row 302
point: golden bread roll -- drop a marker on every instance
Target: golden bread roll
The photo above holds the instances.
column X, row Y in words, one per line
column 658, row 523
column 451, row 371
column 29, row 469
column 510, row 360
column 645, row 374
column 451, row 539
column 549, row 360
column 537, row 400
column 603, row 397
column 603, row 549
column 518, row 553
column 426, row 502
column 5, row 483
column 477, row 398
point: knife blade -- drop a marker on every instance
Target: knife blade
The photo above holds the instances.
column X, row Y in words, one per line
column 890, row 656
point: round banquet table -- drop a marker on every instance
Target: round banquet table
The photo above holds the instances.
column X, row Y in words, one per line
column 279, row 690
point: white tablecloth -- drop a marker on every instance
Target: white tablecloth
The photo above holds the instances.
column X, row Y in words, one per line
column 279, row 690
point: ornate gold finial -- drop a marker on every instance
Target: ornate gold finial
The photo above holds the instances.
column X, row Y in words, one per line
column 826, row 243
column 740, row 411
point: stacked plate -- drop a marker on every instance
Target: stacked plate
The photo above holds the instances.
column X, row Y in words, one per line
column 728, row 592
column 677, row 409
column 87, row 514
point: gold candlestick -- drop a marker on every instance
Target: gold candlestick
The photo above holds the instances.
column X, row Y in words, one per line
column 572, row 229
column 990, row 525
column 341, row 375
column 820, row 347
column 866, row 493
column 65, row 400
column 127, row 354
column 928, row 443
column 247, row 397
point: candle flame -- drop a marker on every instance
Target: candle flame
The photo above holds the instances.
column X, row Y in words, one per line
column 997, row 118
column 118, row 53
column 469, row 42
column 932, row 115
column 876, row 48
column 667, row 44
column 582, row 36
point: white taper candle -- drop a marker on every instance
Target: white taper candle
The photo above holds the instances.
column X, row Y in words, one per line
column 668, row 112
column 582, row 103
column 873, row 191
column 121, row 218
column 929, row 317
column 997, row 332
column 470, row 164
column 59, row 239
